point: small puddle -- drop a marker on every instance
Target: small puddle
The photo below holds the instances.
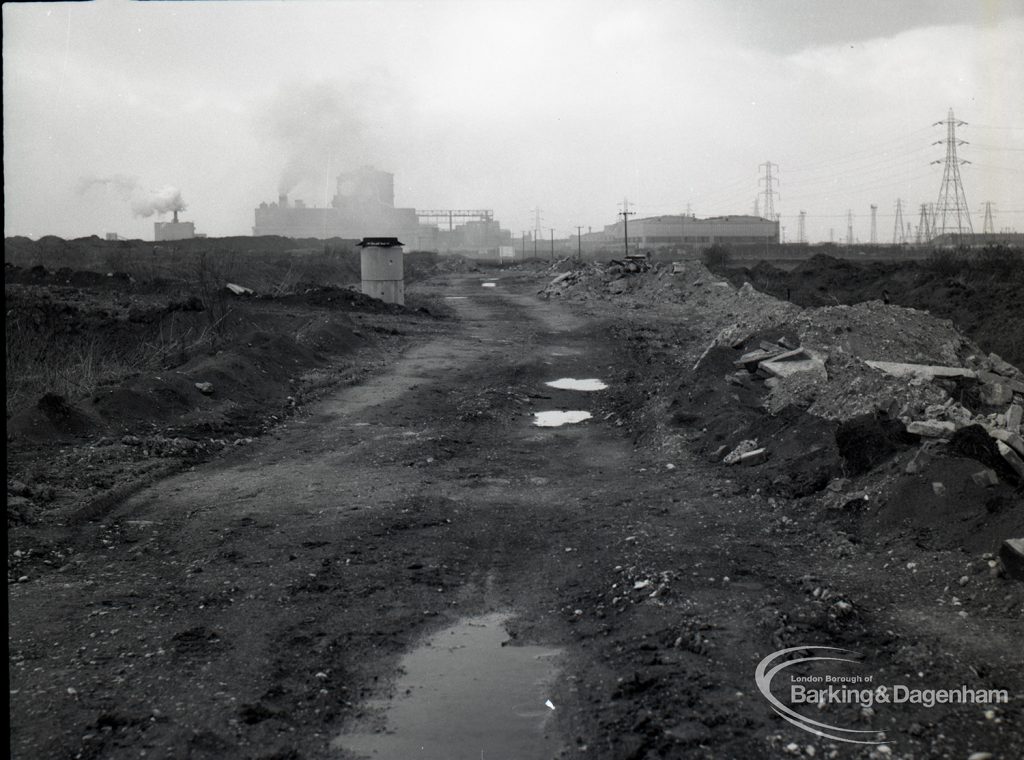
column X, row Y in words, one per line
column 489, row 284
column 456, row 298
column 464, row 695
column 557, row 419
column 572, row 384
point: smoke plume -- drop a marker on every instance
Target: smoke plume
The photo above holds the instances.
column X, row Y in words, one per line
column 144, row 201
column 324, row 126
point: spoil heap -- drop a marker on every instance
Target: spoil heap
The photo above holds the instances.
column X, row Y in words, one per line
column 839, row 400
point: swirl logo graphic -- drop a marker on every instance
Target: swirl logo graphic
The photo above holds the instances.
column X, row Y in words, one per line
column 767, row 669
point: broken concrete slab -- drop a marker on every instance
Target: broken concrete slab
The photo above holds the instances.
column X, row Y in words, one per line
column 1011, row 554
column 995, row 394
column 1014, row 414
column 1012, row 440
column 239, row 290
column 1000, row 365
column 1011, row 457
column 756, row 356
column 205, row 388
column 792, row 362
column 757, row 456
column 926, row 371
column 932, row 428
column 995, row 379
column 985, row 478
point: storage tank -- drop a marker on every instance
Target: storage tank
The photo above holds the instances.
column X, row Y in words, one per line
column 383, row 269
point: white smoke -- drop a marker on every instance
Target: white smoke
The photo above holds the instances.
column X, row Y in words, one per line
column 144, row 201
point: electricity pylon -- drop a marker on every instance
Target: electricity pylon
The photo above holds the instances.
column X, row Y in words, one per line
column 952, row 211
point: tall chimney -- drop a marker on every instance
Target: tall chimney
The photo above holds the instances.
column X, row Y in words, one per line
column 175, row 216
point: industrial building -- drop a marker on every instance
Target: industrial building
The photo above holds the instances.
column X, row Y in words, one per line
column 174, row 230
column 686, row 233
column 364, row 206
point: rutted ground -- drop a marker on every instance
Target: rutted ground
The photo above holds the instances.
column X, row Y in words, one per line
column 249, row 607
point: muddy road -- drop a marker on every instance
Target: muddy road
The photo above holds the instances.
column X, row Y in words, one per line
column 259, row 605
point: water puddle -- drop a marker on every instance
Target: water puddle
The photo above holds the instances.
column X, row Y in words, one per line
column 557, row 419
column 455, row 298
column 572, row 384
column 465, row 696
column 489, row 284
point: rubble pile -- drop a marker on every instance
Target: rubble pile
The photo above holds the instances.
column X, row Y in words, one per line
column 838, row 364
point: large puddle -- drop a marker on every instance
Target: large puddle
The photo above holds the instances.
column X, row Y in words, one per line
column 489, row 284
column 559, row 418
column 464, row 696
column 572, row 384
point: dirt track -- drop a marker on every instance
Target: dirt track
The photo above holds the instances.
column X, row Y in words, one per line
column 247, row 608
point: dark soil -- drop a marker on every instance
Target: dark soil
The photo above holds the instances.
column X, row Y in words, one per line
column 249, row 607
column 980, row 292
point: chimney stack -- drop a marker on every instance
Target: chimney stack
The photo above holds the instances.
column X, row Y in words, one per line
column 175, row 216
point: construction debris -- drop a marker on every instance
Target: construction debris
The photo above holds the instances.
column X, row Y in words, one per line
column 1012, row 458
column 1011, row 554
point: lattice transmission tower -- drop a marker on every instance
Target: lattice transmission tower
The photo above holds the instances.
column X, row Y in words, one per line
column 769, row 191
column 951, row 211
column 924, row 233
column 898, row 235
column 988, row 226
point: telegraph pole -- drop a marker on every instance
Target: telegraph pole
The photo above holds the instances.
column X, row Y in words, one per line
column 874, row 225
column 524, row 245
column 579, row 242
column 536, row 229
column 625, row 214
column 551, row 230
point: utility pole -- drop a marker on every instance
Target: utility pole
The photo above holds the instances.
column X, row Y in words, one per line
column 952, row 203
column 579, row 242
column 552, row 231
column 849, row 227
column 524, row 245
column 874, row 224
column 801, row 234
column 536, row 229
column 625, row 214
column 898, row 235
column 769, row 190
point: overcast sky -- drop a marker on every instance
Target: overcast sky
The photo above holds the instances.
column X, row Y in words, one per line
column 566, row 106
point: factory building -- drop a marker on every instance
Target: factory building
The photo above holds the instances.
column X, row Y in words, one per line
column 685, row 232
column 364, row 207
column 174, row 230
